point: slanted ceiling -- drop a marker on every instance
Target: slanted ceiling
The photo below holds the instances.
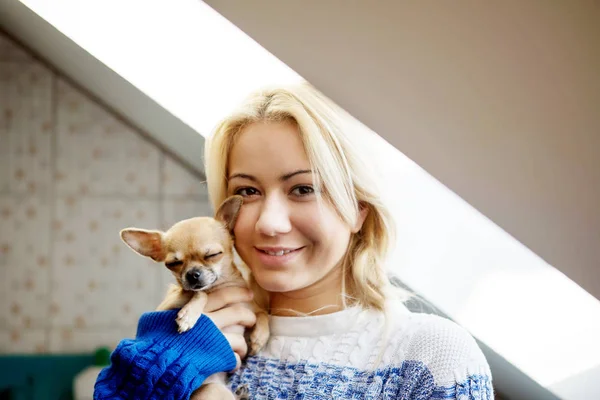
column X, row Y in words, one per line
column 500, row 102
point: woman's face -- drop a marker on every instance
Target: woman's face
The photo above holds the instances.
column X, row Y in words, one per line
column 287, row 240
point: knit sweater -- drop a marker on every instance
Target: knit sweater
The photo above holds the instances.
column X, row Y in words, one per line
column 343, row 355
column 161, row 363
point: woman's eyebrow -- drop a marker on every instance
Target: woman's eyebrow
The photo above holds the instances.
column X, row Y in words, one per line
column 285, row 177
column 243, row 176
column 282, row 178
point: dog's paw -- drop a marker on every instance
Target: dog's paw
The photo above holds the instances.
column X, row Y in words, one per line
column 258, row 339
column 186, row 320
column 242, row 393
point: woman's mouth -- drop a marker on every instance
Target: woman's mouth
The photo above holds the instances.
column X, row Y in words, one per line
column 277, row 253
column 277, row 257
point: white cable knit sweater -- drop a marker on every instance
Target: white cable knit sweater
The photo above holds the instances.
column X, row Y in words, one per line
column 335, row 356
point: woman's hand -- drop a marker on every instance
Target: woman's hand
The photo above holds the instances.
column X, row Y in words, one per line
column 224, row 308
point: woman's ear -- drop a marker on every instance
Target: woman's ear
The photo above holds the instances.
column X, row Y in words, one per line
column 363, row 211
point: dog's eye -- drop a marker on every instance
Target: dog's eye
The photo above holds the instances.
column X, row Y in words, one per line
column 213, row 255
column 173, row 264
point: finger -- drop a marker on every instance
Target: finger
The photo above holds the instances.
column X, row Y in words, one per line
column 238, row 362
column 238, row 344
column 236, row 314
column 229, row 295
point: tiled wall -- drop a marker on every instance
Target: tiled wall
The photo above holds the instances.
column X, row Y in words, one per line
column 71, row 176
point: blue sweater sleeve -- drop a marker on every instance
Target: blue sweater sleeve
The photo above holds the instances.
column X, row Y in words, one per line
column 161, row 363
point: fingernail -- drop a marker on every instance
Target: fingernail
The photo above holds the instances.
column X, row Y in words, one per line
column 250, row 294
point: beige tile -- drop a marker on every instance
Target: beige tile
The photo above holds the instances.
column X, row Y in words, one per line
column 25, row 128
column 177, row 210
column 179, row 183
column 67, row 282
column 23, row 341
column 99, row 154
column 77, row 340
column 24, row 261
column 97, row 280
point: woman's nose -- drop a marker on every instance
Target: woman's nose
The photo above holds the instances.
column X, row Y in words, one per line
column 274, row 217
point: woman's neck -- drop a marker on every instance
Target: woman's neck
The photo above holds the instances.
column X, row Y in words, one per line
column 322, row 297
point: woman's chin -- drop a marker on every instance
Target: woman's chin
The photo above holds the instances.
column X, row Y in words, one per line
column 276, row 287
column 277, row 284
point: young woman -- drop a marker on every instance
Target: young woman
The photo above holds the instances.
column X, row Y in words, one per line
column 315, row 234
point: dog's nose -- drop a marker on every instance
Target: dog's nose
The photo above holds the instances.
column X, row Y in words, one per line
column 193, row 277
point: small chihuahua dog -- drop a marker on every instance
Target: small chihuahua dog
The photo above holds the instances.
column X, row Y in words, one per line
column 199, row 252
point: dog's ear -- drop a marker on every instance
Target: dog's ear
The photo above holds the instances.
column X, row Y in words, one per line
column 228, row 211
column 146, row 243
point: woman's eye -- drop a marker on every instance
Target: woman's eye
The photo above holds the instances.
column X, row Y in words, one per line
column 302, row 191
column 246, row 191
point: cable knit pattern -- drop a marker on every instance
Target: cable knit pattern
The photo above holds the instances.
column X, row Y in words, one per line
column 161, row 363
column 334, row 356
column 344, row 355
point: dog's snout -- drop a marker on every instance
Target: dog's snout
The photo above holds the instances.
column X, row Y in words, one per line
column 193, row 277
column 195, row 274
column 199, row 278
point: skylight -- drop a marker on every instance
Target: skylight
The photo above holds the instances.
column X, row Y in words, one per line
column 524, row 309
column 182, row 54
column 197, row 65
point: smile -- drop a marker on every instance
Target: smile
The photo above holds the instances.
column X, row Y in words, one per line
column 277, row 253
column 277, row 257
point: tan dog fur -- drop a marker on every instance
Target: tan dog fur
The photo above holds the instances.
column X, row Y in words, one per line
column 201, row 246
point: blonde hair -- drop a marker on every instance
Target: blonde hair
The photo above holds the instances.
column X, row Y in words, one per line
column 340, row 172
